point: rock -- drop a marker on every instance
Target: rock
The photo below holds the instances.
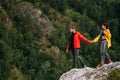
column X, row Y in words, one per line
column 4, row 19
column 33, row 17
column 90, row 73
column 55, row 49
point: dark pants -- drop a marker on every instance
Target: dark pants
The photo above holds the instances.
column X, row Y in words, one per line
column 76, row 57
column 103, row 50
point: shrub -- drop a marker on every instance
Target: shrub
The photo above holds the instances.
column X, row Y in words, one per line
column 114, row 75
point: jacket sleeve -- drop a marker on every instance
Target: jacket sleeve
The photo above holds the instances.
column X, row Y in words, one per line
column 83, row 38
column 97, row 38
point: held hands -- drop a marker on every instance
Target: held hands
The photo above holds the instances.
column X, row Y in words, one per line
column 91, row 41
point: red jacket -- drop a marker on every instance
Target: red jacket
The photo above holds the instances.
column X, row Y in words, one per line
column 77, row 38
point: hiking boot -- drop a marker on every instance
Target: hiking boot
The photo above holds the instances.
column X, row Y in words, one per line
column 110, row 61
column 101, row 64
column 85, row 66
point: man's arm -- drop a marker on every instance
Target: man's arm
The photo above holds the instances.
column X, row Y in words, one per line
column 84, row 38
column 68, row 46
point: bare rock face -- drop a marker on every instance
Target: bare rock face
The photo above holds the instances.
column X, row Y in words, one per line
column 31, row 17
column 90, row 73
column 4, row 19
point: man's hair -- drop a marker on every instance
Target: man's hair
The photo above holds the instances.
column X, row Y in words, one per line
column 71, row 27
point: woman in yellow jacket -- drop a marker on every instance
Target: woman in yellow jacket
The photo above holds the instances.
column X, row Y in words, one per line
column 104, row 39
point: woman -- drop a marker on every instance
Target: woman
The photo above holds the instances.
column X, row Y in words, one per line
column 104, row 39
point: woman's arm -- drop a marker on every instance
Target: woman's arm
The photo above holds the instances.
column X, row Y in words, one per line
column 84, row 38
column 96, row 39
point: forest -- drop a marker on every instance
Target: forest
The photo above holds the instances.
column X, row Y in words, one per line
column 34, row 35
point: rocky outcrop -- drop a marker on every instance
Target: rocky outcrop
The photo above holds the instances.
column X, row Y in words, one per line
column 4, row 19
column 33, row 17
column 90, row 73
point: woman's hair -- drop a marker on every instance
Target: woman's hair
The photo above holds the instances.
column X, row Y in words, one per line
column 106, row 24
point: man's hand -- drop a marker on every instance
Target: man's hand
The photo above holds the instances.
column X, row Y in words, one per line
column 67, row 50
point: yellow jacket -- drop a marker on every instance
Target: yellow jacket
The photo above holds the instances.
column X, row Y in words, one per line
column 107, row 36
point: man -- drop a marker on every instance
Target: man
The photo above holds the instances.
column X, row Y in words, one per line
column 74, row 45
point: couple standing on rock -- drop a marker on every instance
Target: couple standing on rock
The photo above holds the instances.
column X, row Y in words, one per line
column 103, row 39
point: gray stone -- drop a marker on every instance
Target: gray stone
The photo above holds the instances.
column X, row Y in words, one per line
column 88, row 73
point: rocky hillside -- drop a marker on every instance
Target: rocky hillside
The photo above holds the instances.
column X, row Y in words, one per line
column 91, row 73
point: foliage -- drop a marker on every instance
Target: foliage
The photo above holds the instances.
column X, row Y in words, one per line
column 34, row 35
column 114, row 75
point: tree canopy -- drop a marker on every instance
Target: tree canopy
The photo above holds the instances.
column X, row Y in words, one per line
column 34, row 35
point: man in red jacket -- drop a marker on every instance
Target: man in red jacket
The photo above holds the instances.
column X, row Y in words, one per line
column 74, row 46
